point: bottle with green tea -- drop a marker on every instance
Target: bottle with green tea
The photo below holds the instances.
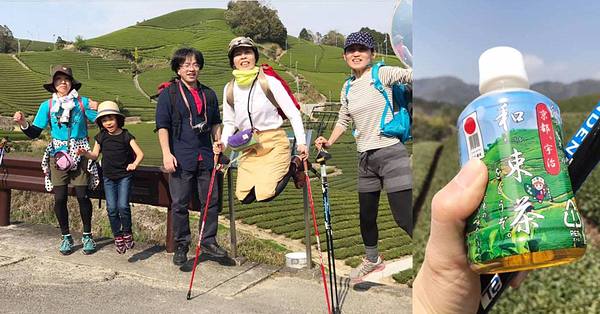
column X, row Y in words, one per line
column 528, row 217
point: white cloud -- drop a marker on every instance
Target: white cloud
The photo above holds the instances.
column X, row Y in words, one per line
column 540, row 70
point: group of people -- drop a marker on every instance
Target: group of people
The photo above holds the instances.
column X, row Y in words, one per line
column 192, row 135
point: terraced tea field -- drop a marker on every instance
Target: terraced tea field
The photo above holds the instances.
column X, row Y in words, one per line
column 20, row 89
column 108, row 79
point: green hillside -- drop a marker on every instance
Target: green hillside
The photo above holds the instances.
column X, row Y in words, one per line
column 579, row 104
column 185, row 18
column 25, row 91
column 34, row 45
column 155, row 40
column 108, row 79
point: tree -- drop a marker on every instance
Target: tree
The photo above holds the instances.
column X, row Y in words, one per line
column 380, row 40
column 7, row 40
column 60, row 43
column 306, row 35
column 81, row 44
column 333, row 38
column 257, row 21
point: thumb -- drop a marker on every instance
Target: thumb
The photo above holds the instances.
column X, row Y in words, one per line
column 450, row 208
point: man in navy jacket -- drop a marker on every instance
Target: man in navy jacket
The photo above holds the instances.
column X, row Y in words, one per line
column 188, row 120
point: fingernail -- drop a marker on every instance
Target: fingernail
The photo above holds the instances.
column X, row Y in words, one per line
column 469, row 173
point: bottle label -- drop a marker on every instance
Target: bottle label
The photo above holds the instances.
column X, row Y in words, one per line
column 528, row 204
column 547, row 139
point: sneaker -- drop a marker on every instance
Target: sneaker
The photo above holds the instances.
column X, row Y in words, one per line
column 120, row 245
column 214, row 250
column 128, row 238
column 89, row 246
column 180, row 256
column 66, row 245
column 366, row 267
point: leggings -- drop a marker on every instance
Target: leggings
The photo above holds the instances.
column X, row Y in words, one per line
column 400, row 204
column 62, row 214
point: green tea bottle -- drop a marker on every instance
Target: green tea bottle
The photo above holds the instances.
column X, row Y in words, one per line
column 528, row 217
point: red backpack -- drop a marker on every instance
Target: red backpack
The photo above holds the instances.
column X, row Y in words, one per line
column 264, row 70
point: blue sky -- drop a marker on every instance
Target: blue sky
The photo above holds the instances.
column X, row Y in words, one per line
column 92, row 18
column 558, row 38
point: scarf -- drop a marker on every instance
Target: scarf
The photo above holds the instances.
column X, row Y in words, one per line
column 245, row 77
column 66, row 103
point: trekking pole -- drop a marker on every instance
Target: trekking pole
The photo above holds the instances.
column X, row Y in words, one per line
column 312, row 208
column 210, row 188
column 322, row 158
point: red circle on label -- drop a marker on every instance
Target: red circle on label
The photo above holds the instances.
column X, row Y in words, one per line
column 469, row 125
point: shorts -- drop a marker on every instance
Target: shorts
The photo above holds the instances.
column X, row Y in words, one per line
column 387, row 167
column 77, row 177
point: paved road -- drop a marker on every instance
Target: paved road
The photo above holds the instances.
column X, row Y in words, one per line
column 34, row 277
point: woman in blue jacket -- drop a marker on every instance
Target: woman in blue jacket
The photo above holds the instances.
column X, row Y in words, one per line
column 65, row 113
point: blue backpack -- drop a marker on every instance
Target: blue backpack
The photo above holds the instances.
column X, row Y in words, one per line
column 400, row 125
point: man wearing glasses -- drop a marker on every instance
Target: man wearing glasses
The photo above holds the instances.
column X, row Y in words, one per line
column 188, row 120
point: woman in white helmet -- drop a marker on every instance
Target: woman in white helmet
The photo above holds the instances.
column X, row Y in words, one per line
column 251, row 104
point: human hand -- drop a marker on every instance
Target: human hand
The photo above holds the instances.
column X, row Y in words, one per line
column 217, row 147
column 169, row 163
column 302, row 151
column 82, row 151
column 19, row 119
column 322, row 142
column 131, row 167
column 93, row 104
column 445, row 283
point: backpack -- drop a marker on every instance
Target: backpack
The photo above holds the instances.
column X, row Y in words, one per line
column 400, row 125
column 264, row 70
column 176, row 116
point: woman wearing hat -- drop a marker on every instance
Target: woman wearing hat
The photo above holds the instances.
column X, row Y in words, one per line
column 383, row 161
column 120, row 157
column 249, row 105
column 65, row 113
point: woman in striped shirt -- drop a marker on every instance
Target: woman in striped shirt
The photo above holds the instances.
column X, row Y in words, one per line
column 383, row 161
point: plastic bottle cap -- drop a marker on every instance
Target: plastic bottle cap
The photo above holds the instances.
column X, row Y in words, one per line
column 500, row 68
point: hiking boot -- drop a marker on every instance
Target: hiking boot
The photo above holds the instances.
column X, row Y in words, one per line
column 214, row 250
column 89, row 246
column 128, row 238
column 180, row 256
column 66, row 245
column 366, row 267
column 120, row 245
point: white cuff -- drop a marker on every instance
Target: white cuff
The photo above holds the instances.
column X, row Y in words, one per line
column 24, row 128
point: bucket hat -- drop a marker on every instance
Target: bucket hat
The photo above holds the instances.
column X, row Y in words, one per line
column 106, row 108
column 61, row 69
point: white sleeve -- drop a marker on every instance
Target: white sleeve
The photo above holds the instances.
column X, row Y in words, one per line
column 389, row 75
column 228, row 118
column 289, row 108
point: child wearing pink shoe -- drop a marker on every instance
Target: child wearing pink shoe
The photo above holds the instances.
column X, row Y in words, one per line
column 120, row 157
